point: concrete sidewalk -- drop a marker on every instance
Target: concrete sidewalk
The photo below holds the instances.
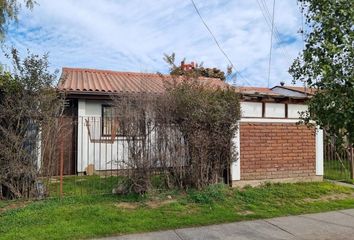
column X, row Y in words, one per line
column 330, row 225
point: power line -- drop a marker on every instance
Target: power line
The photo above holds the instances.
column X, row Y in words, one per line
column 217, row 42
column 263, row 6
column 273, row 26
column 267, row 17
column 263, row 13
column 270, row 24
column 211, row 33
column 271, row 44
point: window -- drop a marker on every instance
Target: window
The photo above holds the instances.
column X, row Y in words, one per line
column 108, row 120
column 125, row 123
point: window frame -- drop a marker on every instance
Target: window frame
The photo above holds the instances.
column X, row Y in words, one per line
column 142, row 128
column 103, row 118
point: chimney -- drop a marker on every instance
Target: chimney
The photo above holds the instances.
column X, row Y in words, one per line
column 282, row 83
column 188, row 66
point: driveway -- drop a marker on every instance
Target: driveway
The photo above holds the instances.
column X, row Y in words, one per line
column 330, row 225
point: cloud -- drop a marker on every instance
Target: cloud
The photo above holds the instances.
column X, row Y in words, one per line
column 134, row 35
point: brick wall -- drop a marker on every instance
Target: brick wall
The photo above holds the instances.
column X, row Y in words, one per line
column 276, row 150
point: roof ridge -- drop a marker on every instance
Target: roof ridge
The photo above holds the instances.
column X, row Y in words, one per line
column 97, row 80
column 124, row 72
column 111, row 71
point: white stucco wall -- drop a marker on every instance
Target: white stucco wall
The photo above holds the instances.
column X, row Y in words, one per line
column 275, row 110
column 251, row 109
column 294, row 110
column 272, row 110
column 103, row 155
column 319, row 152
column 236, row 165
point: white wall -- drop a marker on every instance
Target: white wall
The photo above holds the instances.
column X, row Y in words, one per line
column 319, row 152
column 295, row 109
column 272, row 110
column 103, row 155
column 275, row 110
column 251, row 109
column 236, row 165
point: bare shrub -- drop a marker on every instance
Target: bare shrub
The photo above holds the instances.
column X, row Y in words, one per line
column 28, row 107
column 185, row 134
column 136, row 125
column 206, row 117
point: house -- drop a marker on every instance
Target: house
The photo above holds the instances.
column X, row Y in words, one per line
column 271, row 145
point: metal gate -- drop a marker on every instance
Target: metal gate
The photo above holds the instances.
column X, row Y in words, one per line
column 338, row 160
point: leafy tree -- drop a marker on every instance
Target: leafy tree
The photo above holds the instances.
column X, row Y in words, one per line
column 327, row 65
column 9, row 11
column 196, row 71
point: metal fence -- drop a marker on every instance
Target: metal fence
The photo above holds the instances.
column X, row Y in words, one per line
column 338, row 160
column 93, row 155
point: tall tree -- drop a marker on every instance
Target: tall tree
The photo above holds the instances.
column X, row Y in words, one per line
column 327, row 64
column 9, row 11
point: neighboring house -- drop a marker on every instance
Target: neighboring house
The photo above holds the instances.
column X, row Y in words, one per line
column 271, row 145
column 293, row 91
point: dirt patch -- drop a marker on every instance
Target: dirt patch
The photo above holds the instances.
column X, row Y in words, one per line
column 245, row 212
column 80, row 180
column 54, row 180
column 13, row 206
column 127, row 205
column 330, row 197
column 156, row 204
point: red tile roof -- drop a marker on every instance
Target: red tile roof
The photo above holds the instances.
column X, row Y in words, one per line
column 106, row 82
column 82, row 80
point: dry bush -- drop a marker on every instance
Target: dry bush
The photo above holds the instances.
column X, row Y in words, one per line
column 185, row 134
column 207, row 119
column 28, row 106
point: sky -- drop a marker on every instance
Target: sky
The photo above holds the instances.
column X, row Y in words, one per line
column 134, row 35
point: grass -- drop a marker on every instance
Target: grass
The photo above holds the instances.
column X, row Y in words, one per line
column 84, row 185
column 351, row 181
column 336, row 170
column 104, row 215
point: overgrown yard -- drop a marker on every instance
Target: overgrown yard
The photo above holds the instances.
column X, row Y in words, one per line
column 96, row 216
column 337, row 170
